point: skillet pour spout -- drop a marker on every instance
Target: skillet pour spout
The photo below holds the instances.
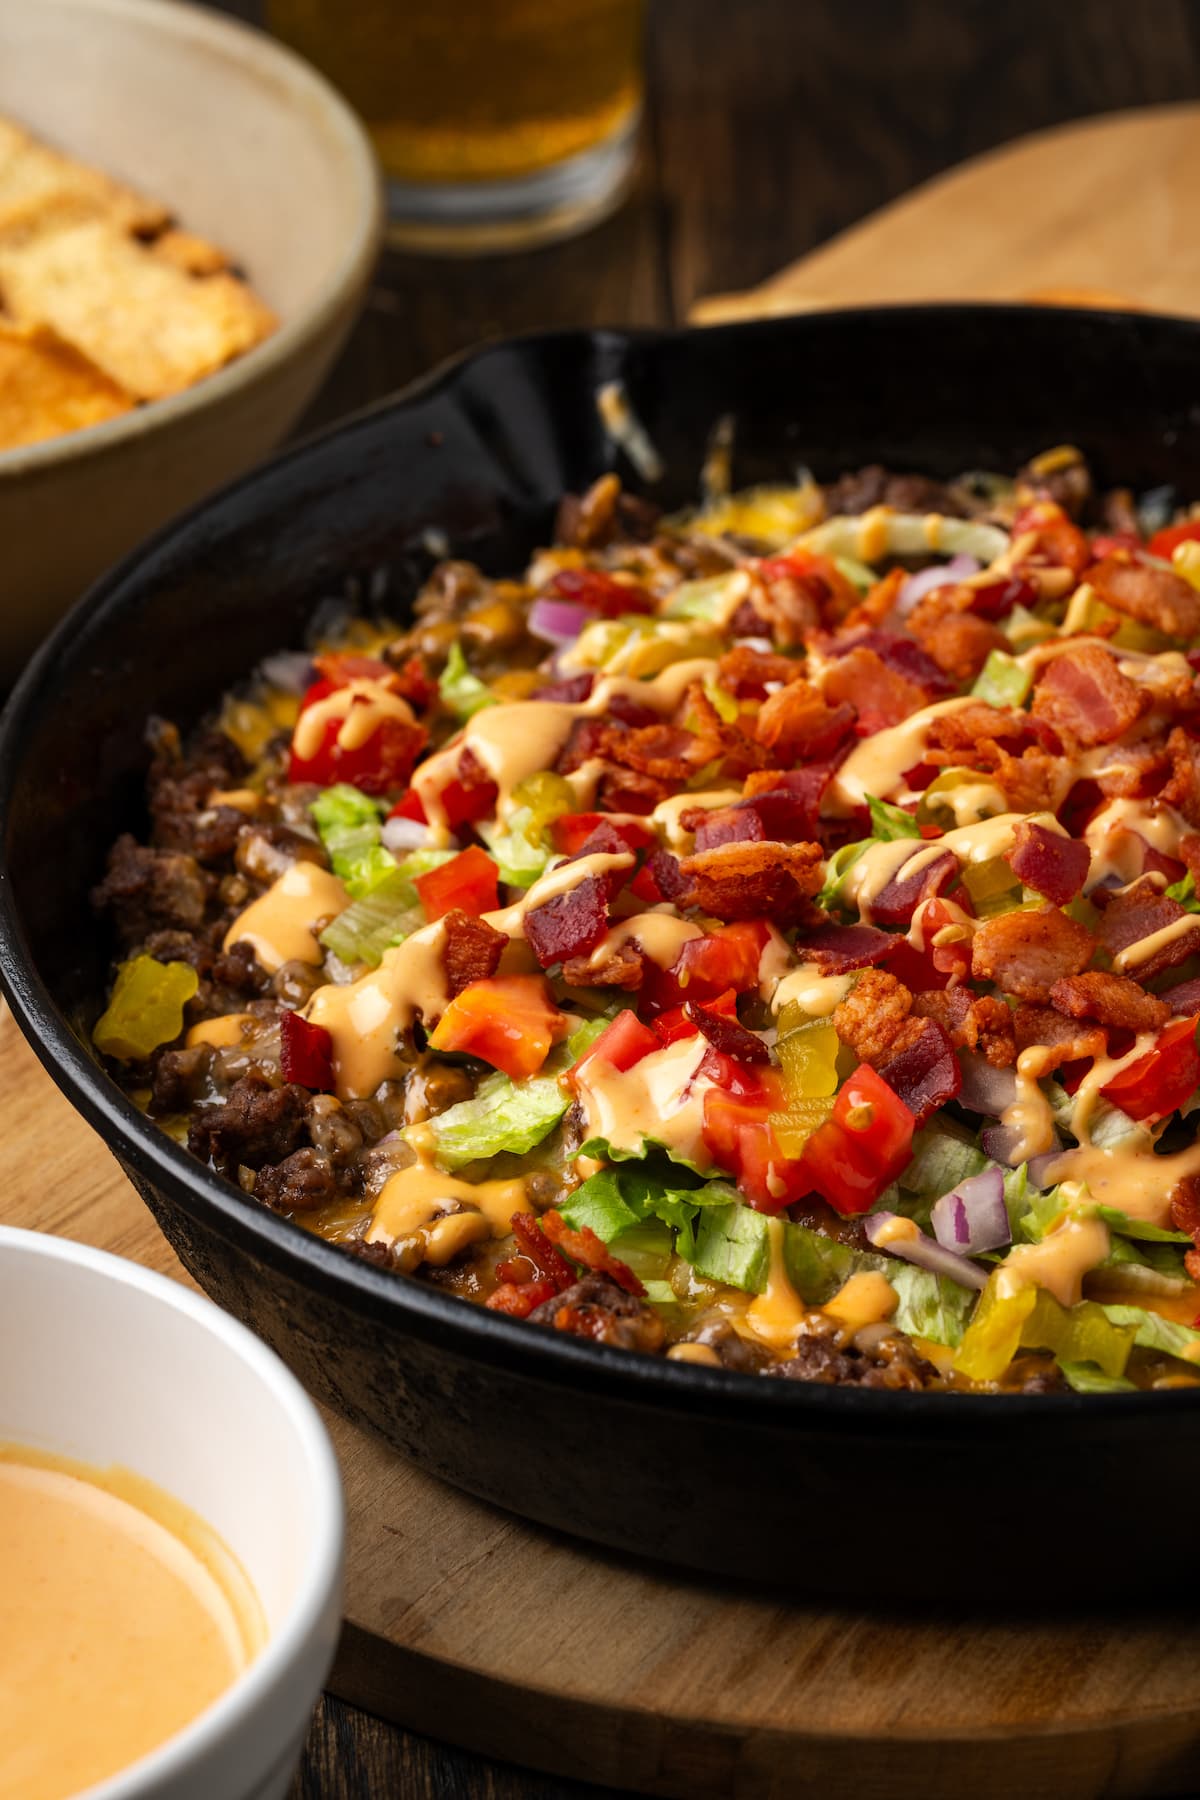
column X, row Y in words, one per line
column 697, row 1466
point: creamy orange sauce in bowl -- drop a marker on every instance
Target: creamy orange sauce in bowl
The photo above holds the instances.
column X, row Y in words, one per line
column 170, row 1539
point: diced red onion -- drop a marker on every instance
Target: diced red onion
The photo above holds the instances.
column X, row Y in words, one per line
column 1002, row 1144
column 291, row 670
column 924, row 1252
column 984, row 1089
column 940, row 575
column 405, row 834
column 1038, row 1166
column 972, row 1217
column 558, row 621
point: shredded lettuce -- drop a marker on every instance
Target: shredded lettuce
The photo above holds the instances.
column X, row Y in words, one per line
column 461, row 692
column 350, row 823
column 832, row 896
column 1185, row 893
column 520, row 859
column 1089, row 1378
column 386, row 914
column 818, row 1266
column 930, row 1306
column 944, row 1154
column 1140, row 1228
column 889, row 822
column 510, row 1115
column 1153, row 1332
column 732, row 1245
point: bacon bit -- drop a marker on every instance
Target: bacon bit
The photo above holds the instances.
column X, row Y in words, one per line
column 601, row 593
column 747, row 673
column 1042, row 1025
column 1132, row 771
column 754, row 880
column 874, row 1019
column 996, row 599
column 1139, row 912
column 1143, row 591
column 1112, row 999
column 661, row 879
column 897, row 901
column 519, row 1298
column 879, row 601
column 624, row 967
column 883, row 694
column 923, row 1071
column 972, row 1022
column 572, row 924
column 535, row 1247
column 805, row 786
column 1183, row 788
column 729, row 739
column 801, row 591
column 573, row 690
column 1025, row 953
column 953, row 636
column 797, row 725
column 573, row 834
column 1185, row 1216
column 413, row 682
column 775, row 816
column 988, row 729
column 1183, row 1000
column 583, row 1246
column 1054, row 866
column 666, row 752
column 1085, row 697
column 1052, row 538
column 836, row 949
column 726, row 1035
column 471, row 950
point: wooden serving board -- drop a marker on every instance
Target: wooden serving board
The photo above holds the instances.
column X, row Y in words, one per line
column 1101, row 212
column 470, row 1625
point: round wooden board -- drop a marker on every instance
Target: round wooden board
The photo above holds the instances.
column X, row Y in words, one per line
column 469, row 1625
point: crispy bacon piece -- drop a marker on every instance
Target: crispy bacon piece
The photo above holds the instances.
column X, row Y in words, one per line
column 1140, row 912
column 729, row 739
column 804, row 786
column 775, row 816
column 572, row 924
column 972, row 1022
column 800, row 591
column 1112, row 999
column 572, row 690
column 1025, row 953
column 1085, row 697
column 726, row 1035
column 1052, row 865
column 1132, row 771
column 518, row 1298
column 624, row 967
column 1185, row 1216
column 747, row 673
column 899, row 899
column 1182, row 790
column 471, row 951
column 583, row 1246
column 836, row 949
column 1147, row 593
column 1075, row 1040
column 883, row 689
column 754, row 881
column 923, row 1071
column 874, row 1017
column 1183, row 1000
column 535, row 1247
column 953, row 637
column 979, row 724
column 798, row 725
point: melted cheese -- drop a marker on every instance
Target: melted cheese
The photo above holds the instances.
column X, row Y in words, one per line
column 865, row 1299
column 366, row 1018
column 557, row 881
column 777, row 1314
column 660, row 936
column 814, row 993
column 359, row 708
column 1059, row 1263
column 659, row 1098
column 282, row 924
column 230, row 1028
column 413, row 1198
column 877, row 765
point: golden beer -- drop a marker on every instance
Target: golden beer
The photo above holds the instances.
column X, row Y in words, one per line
column 485, row 112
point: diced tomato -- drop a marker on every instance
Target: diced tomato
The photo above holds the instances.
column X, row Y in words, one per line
column 1105, row 542
column 1162, row 1080
column 673, row 1024
column 1164, row 543
column 462, row 803
column 601, row 593
column 382, row 762
column 570, row 831
column 468, row 883
column 305, row 1053
column 620, row 1044
column 706, row 966
column 936, row 965
column 1059, row 542
column 510, row 1021
column 739, row 1137
column 861, row 1147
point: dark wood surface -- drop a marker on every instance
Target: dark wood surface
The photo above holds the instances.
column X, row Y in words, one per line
column 771, row 124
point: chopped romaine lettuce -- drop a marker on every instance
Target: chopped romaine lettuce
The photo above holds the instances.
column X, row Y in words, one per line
column 1184, row 892
column 732, row 1245
column 1088, row 1378
column 930, row 1306
column 510, row 1115
column 461, row 692
column 645, row 1248
column 1153, row 1332
column 386, row 914
column 1140, row 1228
column 350, row 823
column 818, row 1266
column 889, row 822
column 944, row 1155
column 521, row 860
column 833, row 895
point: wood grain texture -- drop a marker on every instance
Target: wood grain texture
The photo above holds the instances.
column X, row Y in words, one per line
column 772, row 125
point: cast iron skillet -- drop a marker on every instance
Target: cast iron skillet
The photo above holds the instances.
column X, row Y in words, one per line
column 857, row 1494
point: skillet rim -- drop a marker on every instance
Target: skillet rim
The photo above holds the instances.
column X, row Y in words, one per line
column 458, row 1325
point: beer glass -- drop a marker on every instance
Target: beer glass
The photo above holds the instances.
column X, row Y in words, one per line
column 499, row 123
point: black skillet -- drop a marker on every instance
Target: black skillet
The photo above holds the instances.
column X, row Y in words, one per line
column 907, row 1496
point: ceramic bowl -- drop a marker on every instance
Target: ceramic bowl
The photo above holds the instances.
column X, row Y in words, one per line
column 250, row 148
column 117, row 1365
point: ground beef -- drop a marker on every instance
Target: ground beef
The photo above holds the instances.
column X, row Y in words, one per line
column 180, row 1078
column 265, row 851
column 859, row 489
column 304, row 1180
column 257, row 1124
column 595, row 1307
column 147, row 891
column 892, row 1363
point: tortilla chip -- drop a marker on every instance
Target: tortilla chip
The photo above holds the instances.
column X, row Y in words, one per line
column 47, row 387
column 38, row 185
column 151, row 327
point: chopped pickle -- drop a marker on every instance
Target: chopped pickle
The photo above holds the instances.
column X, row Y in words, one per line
column 145, row 1008
column 1032, row 1319
column 940, row 807
column 1003, row 681
column 992, row 886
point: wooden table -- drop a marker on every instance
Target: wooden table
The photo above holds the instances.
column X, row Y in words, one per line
column 771, row 124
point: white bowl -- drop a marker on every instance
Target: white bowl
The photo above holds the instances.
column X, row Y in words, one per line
column 252, row 149
column 108, row 1363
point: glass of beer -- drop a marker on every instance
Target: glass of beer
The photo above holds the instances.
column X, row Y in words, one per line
column 499, row 123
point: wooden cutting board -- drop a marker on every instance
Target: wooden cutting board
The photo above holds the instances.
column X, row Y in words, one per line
column 1102, row 212
column 470, row 1625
